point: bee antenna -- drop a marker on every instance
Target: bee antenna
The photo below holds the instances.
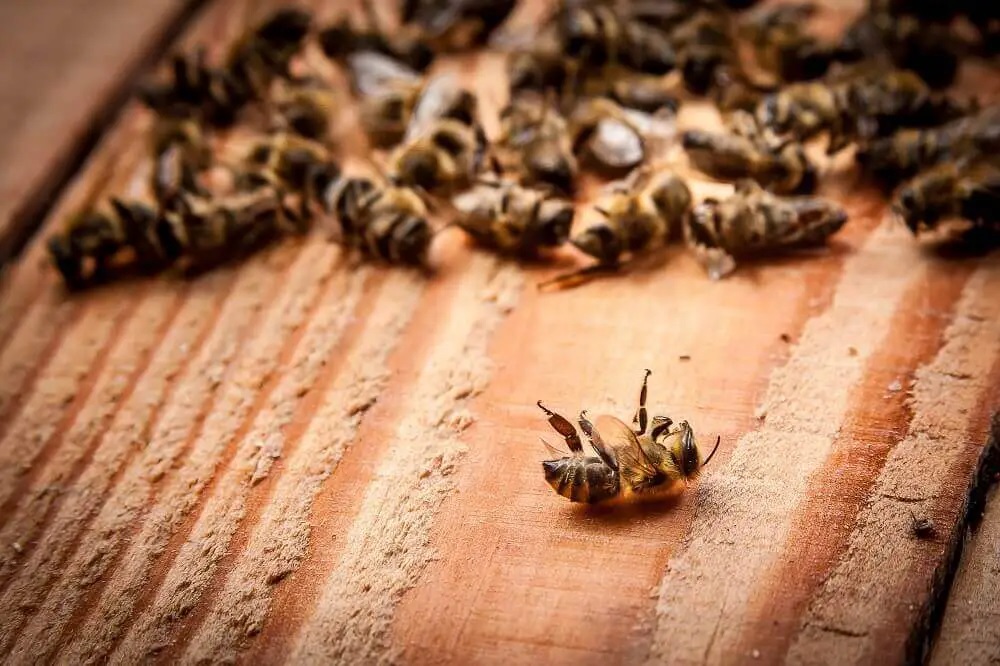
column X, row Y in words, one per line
column 602, row 211
column 714, row 449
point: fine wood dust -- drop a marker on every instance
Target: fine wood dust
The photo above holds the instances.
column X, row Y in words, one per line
column 44, row 485
column 135, row 587
column 127, row 437
column 387, row 546
column 280, row 539
column 746, row 509
column 83, row 350
column 256, row 450
column 50, row 610
column 848, row 616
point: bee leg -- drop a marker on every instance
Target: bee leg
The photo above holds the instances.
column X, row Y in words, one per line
column 596, row 441
column 641, row 417
column 562, row 426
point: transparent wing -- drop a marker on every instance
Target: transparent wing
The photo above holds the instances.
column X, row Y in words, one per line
column 372, row 73
column 437, row 99
column 633, row 464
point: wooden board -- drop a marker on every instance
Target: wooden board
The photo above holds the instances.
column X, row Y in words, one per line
column 66, row 68
column 308, row 458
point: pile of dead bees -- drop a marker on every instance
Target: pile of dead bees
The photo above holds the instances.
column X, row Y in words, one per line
column 242, row 151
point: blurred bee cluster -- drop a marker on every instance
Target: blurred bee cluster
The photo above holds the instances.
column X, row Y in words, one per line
column 242, row 149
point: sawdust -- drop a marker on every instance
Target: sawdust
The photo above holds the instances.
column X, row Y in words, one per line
column 169, row 522
column 745, row 510
column 387, row 548
column 256, row 449
column 126, row 436
column 100, row 547
column 279, row 540
column 848, row 615
column 41, row 489
column 82, row 352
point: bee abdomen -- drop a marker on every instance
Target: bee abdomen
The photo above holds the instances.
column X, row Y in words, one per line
column 581, row 479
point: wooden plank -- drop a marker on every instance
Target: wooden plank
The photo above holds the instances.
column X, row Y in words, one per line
column 67, row 66
column 306, row 458
column 970, row 632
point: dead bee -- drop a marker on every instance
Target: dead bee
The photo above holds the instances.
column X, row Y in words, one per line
column 180, row 152
column 648, row 94
column 891, row 159
column 948, row 191
column 265, row 52
column 444, row 157
column 456, row 25
column 603, row 35
column 631, row 463
column 706, row 41
column 754, row 221
column 903, row 40
column 286, row 161
column 304, row 106
column 749, row 152
column 514, row 219
column 861, row 107
column 643, row 212
column 205, row 231
column 97, row 240
column 783, row 46
column 383, row 222
column 444, row 147
column 535, row 137
column 405, row 44
column 388, row 92
column 606, row 137
column 215, row 95
column 541, row 70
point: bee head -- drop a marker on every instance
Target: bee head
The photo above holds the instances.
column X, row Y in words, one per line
column 600, row 242
column 413, row 240
column 909, row 206
column 555, row 221
column 580, row 31
column 420, row 168
column 699, row 70
column 65, row 260
column 553, row 168
column 672, row 198
column 285, row 27
column 683, row 450
column 822, row 216
column 878, row 156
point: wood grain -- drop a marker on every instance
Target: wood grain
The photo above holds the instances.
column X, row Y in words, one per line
column 307, row 458
column 66, row 68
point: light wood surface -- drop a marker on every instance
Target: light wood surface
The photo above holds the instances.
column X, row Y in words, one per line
column 308, row 458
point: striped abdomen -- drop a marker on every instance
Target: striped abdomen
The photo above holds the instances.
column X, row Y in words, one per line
column 582, row 479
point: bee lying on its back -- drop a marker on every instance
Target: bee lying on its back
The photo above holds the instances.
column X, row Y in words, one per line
column 631, row 463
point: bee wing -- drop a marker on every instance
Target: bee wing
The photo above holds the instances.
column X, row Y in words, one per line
column 617, row 144
column 658, row 129
column 633, row 464
column 372, row 72
column 434, row 101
